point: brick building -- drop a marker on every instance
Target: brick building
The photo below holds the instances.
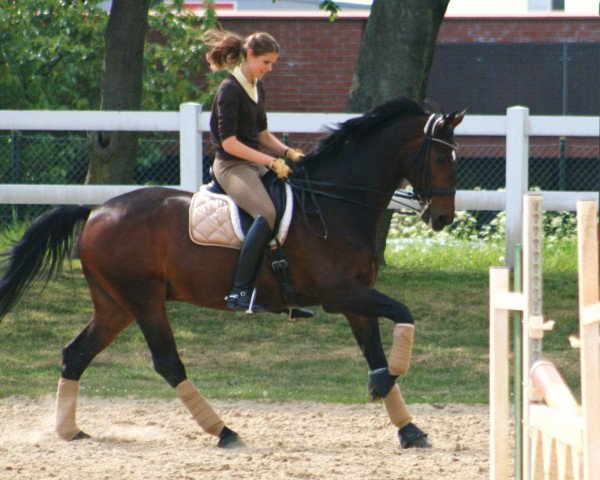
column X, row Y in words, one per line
column 484, row 63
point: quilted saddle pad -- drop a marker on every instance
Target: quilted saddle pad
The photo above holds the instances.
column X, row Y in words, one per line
column 215, row 220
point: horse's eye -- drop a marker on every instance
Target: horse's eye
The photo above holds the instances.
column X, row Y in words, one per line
column 441, row 159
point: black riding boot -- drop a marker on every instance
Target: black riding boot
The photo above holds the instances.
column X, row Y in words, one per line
column 248, row 262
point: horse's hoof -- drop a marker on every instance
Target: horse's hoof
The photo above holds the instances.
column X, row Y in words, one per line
column 229, row 439
column 412, row 436
column 81, row 436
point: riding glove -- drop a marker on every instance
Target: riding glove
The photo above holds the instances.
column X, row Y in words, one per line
column 294, row 154
column 281, row 169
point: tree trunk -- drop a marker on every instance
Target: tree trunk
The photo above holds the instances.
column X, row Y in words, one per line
column 394, row 60
column 114, row 154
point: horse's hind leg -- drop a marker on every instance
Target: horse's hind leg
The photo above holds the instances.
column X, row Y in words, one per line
column 153, row 321
column 107, row 322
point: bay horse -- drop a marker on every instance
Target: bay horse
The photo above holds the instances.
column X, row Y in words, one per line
column 136, row 255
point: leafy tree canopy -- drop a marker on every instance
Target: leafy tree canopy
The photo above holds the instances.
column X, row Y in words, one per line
column 51, row 54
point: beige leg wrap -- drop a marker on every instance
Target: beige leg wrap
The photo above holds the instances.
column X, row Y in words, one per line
column 201, row 411
column 396, row 408
column 66, row 409
column 399, row 360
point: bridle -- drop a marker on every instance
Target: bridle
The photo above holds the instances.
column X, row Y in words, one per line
column 305, row 189
column 423, row 194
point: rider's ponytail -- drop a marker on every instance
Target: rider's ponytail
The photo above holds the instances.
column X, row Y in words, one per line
column 227, row 49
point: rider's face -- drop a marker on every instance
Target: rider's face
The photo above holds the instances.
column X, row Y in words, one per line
column 259, row 65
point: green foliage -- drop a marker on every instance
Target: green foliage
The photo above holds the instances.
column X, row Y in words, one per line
column 332, row 7
column 51, row 54
column 557, row 226
column 174, row 61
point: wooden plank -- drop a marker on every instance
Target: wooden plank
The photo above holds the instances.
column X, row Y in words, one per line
column 532, row 288
column 566, row 428
column 499, row 377
column 587, row 235
column 507, row 300
column 590, row 314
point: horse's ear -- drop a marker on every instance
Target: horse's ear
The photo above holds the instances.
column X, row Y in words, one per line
column 455, row 118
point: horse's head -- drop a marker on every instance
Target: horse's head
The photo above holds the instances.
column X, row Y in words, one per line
column 366, row 157
column 432, row 171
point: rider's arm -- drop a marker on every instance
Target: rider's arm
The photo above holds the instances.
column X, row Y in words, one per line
column 270, row 142
column 234, row 147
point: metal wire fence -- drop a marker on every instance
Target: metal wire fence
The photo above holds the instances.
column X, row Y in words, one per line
column 40, row 158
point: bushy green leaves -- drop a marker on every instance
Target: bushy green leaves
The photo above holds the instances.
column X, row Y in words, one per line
column 174, row 60
column 51, row 54
column 557, row 226
column 332, row 7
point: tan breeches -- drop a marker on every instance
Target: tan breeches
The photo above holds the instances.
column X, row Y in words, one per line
column 241, row 180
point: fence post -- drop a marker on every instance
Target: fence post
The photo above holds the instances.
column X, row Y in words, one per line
column 190, row 147
column 517, row 176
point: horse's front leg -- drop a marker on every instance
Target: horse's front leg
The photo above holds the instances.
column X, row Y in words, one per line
column 361, row 300
column 362, row 306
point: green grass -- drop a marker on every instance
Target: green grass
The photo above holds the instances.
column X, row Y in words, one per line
column 238, row 357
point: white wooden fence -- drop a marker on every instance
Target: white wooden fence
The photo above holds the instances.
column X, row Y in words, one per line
column 516, row 126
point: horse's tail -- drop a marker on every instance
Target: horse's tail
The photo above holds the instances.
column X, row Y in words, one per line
column 43, row 247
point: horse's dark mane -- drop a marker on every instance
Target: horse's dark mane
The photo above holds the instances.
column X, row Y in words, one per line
column 358, row 128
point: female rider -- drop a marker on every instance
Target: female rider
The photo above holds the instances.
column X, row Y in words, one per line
column 240, row 135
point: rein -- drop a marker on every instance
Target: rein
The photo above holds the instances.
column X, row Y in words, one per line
column 305, row 186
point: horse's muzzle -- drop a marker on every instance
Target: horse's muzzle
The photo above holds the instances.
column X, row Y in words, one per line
column 436, row 221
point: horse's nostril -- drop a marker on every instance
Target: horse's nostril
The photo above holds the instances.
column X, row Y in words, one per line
column 442, row 221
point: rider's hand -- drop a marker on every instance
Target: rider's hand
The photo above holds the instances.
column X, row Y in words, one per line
column 281, row 169
column 294, row 154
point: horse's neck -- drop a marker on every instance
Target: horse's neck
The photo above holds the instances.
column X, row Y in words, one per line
column 362, row 193
column 370, row 177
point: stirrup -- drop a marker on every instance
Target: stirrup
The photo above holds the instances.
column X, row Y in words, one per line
column 240, row 299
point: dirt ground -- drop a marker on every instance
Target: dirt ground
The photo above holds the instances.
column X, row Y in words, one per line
column 153, row 439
